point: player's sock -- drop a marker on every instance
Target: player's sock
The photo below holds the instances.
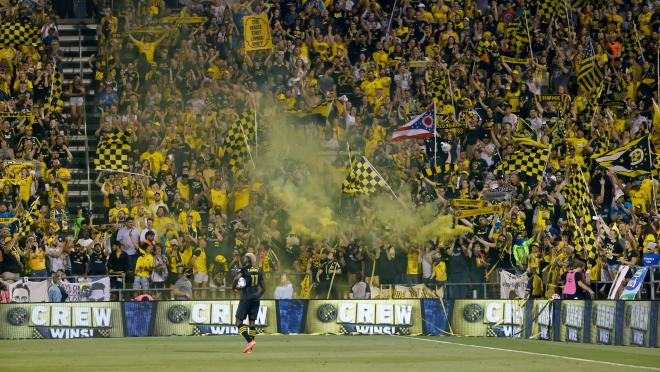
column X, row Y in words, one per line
column 244, row 332
column 252, row 333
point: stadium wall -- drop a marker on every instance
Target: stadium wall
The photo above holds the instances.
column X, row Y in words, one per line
column 600, row 322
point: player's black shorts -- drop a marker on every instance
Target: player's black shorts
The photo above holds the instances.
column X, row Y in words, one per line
column 247, row 308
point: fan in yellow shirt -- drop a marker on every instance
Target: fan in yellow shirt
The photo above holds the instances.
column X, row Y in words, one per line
column 147, row 48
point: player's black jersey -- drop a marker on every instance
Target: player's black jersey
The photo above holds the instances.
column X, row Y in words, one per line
column 252, row 277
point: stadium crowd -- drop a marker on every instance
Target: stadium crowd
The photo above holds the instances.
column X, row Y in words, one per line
column 173, row 90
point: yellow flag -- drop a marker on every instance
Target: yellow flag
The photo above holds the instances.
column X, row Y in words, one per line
column 256, row 33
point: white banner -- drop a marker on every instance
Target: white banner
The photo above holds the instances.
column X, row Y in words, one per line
column 94, row 290
column 26, row 291
column 512, row 283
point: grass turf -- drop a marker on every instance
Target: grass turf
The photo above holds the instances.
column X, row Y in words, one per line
column 312, row 353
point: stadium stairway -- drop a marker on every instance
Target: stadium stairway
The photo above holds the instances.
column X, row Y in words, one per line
column 78, row 42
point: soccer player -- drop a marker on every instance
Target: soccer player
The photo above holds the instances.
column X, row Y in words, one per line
column 250, row 282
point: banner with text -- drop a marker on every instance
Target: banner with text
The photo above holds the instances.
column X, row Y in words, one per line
column 366, row 317
column 188, row 318
column 497, row 318
column 257, row 33
column 61, row 320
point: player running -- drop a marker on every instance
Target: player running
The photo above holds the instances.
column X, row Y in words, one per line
column 250, row 281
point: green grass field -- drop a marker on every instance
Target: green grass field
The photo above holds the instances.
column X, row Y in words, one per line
column 319, row 353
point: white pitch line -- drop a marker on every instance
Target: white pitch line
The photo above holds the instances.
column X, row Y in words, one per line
column 533, row 353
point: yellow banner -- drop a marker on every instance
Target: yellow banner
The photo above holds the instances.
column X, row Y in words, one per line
column 519, row 61
column 17, row 114
column 256, row 33
column 7, row 220
column 466, row 203
column 475, row 212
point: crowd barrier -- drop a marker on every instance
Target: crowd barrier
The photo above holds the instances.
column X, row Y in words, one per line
column 602, row 322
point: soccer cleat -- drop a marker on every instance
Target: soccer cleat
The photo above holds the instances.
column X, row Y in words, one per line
column 249, row 346
column 249, row 351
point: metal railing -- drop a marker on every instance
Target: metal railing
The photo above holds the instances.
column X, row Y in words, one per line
column 84, row 113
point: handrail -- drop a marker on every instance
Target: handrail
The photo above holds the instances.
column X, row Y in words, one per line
column 89, row 185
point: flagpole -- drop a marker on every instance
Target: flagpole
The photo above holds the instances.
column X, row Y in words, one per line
column 639, row 44
column 256, row 134
column 122, row 172
column 389, row 24
column 568, row 17
column 435, row 136
column 587, row 189
column 350, row 161
column 247, row 145
column 529, row 38
column 381, row 177
column 451, row 94
column 651, row 156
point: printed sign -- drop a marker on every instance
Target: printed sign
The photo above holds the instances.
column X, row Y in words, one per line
column 213, row 318
column 634, row 284
column 257, row 33
column 466, row 203
column 90, row 290
column 512, row 283
column 603, row 322
column 497, row 318
column 572, row 321
column 366, row 317
column 636, row 323
column 61, row 321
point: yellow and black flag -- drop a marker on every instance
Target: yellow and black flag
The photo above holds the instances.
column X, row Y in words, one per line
column 590, row 74
column 316, row 114
column 443, row 169
column 583, row 239
column 516, row 35
column 551, row 8
column 577, row 195
column 524, row 129
column 529, row 160
column 439, row 90
column 240, row 133
column 363, row 178
column 636, row 158
column 631, row 43
column 55, row 102
column 596, row 4
column 24, row 224
column 113, row 152
column 19, row 34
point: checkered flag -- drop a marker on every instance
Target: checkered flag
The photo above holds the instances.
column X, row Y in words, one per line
column 113, row 152
column 577, row 195
column 631, row 43
column 240, row 133
column 585, row 240
column 529, row 160
column 19, row 34
column 443, row 169
column 551, row 8
column 55, row 102
column 516, row 35
column 439, row 90
column 363, row 178
column 24, row 225
column 590, row 75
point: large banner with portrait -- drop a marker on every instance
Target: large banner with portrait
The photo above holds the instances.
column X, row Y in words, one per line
column 364, row 317
column 61, row 320
column 212, row 318
column 28, row 291
column 88, row 290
